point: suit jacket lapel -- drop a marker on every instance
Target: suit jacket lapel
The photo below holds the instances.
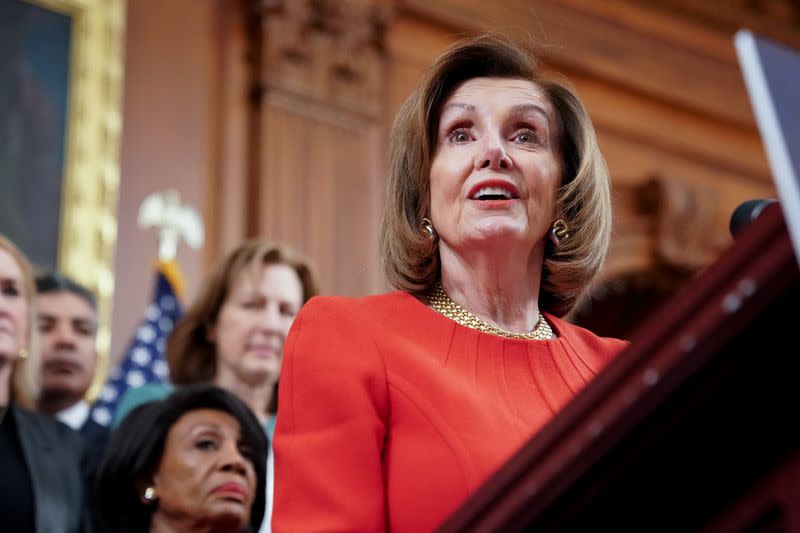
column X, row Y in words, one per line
column 44, row 471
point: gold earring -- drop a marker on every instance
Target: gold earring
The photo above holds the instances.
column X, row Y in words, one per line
column 23, row 353
column 427, row 228
column 150, row 494
column 559, row 232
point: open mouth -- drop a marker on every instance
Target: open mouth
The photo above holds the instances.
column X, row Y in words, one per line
column 485, row 192
column 493, row 193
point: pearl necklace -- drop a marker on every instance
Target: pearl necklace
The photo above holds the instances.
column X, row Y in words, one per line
column 441, row 303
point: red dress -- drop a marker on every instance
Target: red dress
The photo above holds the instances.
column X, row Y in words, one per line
column 390, row 414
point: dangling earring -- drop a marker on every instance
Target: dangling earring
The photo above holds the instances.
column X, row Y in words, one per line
column 559, row 232
column 426, row 226
column 23, row 353
column 149, row 495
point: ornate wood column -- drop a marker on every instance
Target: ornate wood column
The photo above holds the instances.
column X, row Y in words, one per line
column 316, row 135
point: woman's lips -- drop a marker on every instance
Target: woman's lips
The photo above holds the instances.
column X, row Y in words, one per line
column 233, row 489
column 263, row 350
column 496, row 190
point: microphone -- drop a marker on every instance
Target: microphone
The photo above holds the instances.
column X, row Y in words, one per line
column 747, row 212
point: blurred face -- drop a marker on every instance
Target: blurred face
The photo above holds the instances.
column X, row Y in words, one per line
column 67, row 326
column 496, row 168
column 13, row 308
column 206, row 473
column 254, row 320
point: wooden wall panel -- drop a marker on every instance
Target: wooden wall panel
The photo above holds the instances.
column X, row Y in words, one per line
column 169, row 140
column 319, row 191
column 226, row 208
column 319, row 157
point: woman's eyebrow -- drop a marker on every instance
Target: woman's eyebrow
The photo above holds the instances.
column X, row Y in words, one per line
column 203, row 427
column 457, row 105
column 521, row 109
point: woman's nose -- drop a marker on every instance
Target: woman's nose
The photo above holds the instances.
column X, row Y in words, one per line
column 234, row 461
column 494, row 157
column 271, row 318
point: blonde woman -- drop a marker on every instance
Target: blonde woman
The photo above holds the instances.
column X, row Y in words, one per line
column 42, row 461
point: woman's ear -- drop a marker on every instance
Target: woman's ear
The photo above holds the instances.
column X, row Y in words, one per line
column 146, row 489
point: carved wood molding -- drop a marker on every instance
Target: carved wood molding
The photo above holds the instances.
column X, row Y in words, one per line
column 778, row 19
column 326, row 50
column 675, row 55
column 666, row 231
column 686, row 234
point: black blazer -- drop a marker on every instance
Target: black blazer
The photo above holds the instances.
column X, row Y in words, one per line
column 95, row 438
column 57, row 463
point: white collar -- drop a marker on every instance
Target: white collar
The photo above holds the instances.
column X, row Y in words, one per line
column 75, row 416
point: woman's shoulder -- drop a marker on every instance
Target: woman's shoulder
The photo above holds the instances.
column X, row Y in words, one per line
column 371, row 308
column 133, row 398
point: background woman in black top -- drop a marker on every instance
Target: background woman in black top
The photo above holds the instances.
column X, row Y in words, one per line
column 42, row 487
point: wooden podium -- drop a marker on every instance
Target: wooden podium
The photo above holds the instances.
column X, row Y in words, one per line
column 696, row 426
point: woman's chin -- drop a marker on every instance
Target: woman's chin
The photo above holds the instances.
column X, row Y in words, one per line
column 260, row 370
column 496, row 230
column 230, row 522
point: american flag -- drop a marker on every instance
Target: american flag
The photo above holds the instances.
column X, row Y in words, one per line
column 144, row 361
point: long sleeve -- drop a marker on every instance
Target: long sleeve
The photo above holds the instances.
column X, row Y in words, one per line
column 331, row 425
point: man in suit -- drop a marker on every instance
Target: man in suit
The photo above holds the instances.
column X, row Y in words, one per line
column 67, row 317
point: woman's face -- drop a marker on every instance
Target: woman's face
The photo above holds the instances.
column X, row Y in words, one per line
column 206, row 472
column 496, row 168
column 13, row 308
column 254, row 320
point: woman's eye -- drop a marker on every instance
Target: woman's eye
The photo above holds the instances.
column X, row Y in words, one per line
column 459, row 136
column 10, row 290
column 252, row 304
column 206, row 444
column 525, row 137
column 287, row 310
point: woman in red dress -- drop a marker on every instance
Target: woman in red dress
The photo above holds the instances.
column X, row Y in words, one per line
column 395, row 408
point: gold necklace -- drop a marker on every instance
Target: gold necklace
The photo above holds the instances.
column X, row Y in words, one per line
column 441, row 303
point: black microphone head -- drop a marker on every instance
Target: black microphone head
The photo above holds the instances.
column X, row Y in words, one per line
column 748, row 212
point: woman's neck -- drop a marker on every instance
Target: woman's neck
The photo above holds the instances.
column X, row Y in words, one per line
column 257, row 397
column 497, row 285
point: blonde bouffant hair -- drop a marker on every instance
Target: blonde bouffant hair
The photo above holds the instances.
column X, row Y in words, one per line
column 25, row 379
column 411, row 259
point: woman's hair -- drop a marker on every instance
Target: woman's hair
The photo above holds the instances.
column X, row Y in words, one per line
column 136, row 447
column 25, row 377
column 411, row 259
column 191, row 355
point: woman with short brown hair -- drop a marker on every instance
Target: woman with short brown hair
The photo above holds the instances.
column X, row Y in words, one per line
column 396, row 407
